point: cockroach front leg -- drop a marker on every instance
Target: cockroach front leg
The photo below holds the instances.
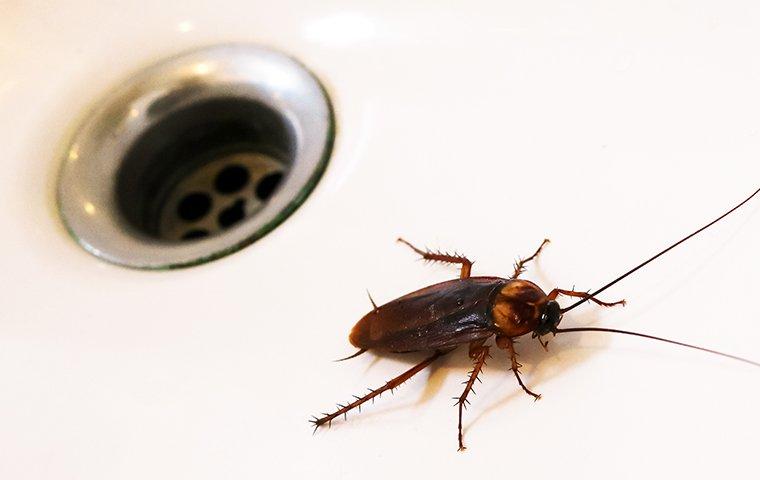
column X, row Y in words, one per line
column 479, row 353
column 443, row 258
column 508, row 344
column 392, row 384
column 571, row 293
column 520, row 265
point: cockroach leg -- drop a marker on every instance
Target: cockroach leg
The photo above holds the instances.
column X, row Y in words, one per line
column 479, row 353
column 392, row 384
column 520, row 265
column 443, row 258
column 508, row 344
column 571, row 293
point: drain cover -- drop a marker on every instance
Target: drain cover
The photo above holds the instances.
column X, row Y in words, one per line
column 196, row 157
column 218, row 195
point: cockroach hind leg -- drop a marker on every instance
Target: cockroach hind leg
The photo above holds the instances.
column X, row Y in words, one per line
column 342, row 410
column 351, row 356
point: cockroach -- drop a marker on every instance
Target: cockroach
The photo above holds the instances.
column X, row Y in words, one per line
column 471, row 310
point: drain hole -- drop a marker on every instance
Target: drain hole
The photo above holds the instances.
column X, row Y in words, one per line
column 231, row 179
column 180, row 169
column 195, row 234
column 232, row 215
column 194, row 207
column 268, row 185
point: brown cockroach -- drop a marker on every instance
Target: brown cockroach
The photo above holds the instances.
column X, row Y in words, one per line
column 471, row 310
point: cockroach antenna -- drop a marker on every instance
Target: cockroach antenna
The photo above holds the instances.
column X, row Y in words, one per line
column 652, row 337
column 641, row 265
column 655, row 257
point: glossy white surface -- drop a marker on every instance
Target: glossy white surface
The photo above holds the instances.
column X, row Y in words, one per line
column 613, row 130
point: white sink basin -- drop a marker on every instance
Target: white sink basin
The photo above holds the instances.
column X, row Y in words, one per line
column 613, row 130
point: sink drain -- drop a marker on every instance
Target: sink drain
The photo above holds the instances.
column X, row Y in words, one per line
column 196, row 157
column 219, row 195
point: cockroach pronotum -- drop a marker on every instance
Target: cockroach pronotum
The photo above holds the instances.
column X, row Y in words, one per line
column 471, row 310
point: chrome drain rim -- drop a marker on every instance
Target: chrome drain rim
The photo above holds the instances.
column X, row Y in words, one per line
column 91, row 187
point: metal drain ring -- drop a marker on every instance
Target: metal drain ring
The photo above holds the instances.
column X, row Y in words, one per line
column 105, row 180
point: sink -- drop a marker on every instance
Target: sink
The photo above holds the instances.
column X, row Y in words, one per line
column 614, row 130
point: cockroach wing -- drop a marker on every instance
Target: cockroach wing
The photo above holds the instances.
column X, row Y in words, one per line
column 439, row 316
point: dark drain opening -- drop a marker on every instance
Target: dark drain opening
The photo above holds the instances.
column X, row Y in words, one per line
column 194, row 206
column 232, row 215
column 268, row 185
column 188, row 176
column 231, row 179
column 195, row 234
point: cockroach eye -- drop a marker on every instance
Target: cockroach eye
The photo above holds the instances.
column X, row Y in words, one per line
column 550, row 318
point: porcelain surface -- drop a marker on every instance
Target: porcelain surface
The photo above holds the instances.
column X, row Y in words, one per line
column 612, row 129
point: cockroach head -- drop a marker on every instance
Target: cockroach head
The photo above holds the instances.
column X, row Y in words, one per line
column 550, row 318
